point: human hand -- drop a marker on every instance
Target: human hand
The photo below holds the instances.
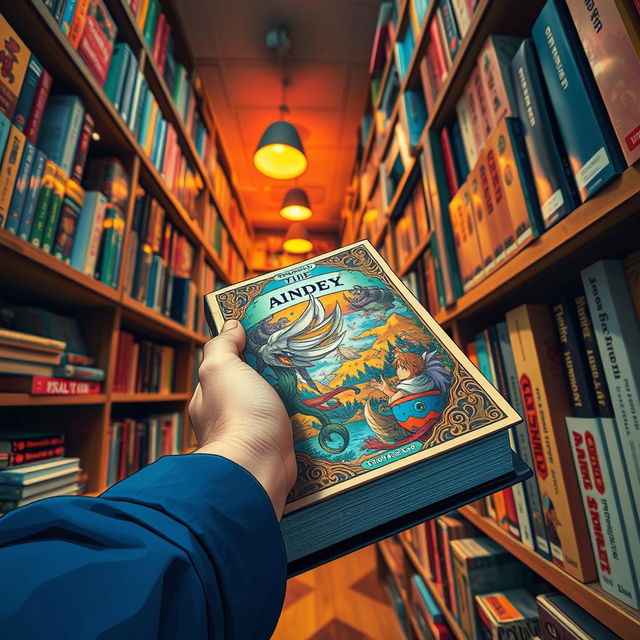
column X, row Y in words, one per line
column 237, row 414
column 383, row 386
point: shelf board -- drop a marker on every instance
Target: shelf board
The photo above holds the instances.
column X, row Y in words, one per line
column 28, row 400
column 442, row 605
column 417, row 252
column 149, row 397
column 615, row 204
column 615, row 615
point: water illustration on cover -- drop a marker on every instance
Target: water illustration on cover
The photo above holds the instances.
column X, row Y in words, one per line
column 368, row 384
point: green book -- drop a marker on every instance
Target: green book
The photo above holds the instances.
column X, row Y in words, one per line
column 53, row 214
column 150, row 22
column 42, row 208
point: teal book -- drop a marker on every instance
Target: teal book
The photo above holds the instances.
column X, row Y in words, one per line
column 136, row 101
column 89, row 226
column 67, row 16
column 587, row 133
column 117, row 72
column 137, row 115
column 153, row 11
column 5, row 127
column 27, row 93
column 32, row 195
column 60, row 130
column 145, row 117
column 21, row 188
column 130, row 77
column 40, row 470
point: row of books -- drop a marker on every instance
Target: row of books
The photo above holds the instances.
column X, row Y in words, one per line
column 136, row 442
column 160, row 263
column 487, row 591
column 222, row 244
column 571, row 370
column 143, row 366
column 44, row 353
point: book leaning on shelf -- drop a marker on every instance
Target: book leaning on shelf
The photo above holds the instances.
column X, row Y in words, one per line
column 304, row 325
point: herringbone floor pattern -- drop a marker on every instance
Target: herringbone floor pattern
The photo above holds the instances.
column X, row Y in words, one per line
column 341, row 600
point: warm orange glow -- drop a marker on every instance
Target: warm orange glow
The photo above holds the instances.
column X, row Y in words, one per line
column 280, row 161
column 297, row 245
column 295, row 212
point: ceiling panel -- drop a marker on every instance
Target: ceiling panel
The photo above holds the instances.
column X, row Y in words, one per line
column 327, row 68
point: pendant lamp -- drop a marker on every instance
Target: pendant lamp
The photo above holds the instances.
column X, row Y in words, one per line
column 295, row 205
column 280, row 153
column 297, row 239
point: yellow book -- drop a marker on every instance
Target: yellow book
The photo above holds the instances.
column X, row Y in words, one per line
column 9, row 170
column 148, row 146
column 142, row 16
column 15, row 60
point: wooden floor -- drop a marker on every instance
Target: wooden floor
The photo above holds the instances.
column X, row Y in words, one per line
column 339, row 601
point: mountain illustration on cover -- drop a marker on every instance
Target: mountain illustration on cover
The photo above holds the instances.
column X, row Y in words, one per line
column 370, row 381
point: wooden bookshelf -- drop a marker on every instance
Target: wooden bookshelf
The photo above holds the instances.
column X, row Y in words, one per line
column 620, row 618
column 31, row 276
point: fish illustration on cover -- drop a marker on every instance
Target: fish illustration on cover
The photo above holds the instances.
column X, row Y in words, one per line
column 369, row 379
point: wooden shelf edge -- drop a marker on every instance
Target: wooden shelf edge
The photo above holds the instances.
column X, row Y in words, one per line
column 28, row 400
column 607, row 208
column 149, row 397
column 417, row 252
column 442, row 605
column 617, row 616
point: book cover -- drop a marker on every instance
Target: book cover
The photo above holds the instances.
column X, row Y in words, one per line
column 53, row 211
column 508, row 614
column 588, row 137
column 546, row 405
column 618, row 338
column 9, row 170
column 34, row 122
column 610, row 37
column 42, row 385
column 463, row 16
column 97, row 39
column 20, row 189
column 450, row 27
column 28, row 93
column 350, row 294
column 88, row 232
column 552, row 175
column 481, row 202
column 14, row 61
column 32, row 196
column 68, row 225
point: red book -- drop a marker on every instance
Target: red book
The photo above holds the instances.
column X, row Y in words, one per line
column 96, row 43
column 157, row 38
column 32, row 128
column 15, row 459
column 83, row 148
column 438, row 50
column 449, row 168
column 46, row 386
column 134, row 5
column 164, row 45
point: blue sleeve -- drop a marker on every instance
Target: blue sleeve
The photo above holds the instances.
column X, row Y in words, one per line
column 188, row 547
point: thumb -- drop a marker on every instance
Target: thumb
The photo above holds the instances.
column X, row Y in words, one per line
column 226, row 346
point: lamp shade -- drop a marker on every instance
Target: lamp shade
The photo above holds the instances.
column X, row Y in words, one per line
column 280, row 153
column 295, row 205
column 297, row 239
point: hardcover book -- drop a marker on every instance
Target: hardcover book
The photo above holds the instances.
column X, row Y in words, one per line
column 15, row 62
column 378, row 396
column 508, row 614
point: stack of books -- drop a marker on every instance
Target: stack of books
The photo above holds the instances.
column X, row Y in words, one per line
column 33, row 466
column 134, row 443
column 44, row 353
column 143, row 366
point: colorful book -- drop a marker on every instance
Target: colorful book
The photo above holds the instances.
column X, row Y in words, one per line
column 97, row 40
column 508, row 614
column 68, row 224
column 21, row 188
column 611, row 42
column 594, row 154
column 546, row 405
column 15, row 56
column 9, row 170
column 47, row 185
column 32, row 195
column 469, row 143
column 552, row 175
column 83, row 148
column 53, row 211
column 481, row 205
column 60, row 130
column 79, row 20
column 341, row 281
column 67, row 16
column 28, row 93
column 88, row 233
column 34, row 122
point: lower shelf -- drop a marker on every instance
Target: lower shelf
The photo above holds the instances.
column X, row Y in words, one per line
column 615, row 615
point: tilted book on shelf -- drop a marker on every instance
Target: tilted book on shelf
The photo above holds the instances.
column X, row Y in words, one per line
column 378, row 395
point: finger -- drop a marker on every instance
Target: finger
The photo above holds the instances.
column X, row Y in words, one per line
column 226, row 346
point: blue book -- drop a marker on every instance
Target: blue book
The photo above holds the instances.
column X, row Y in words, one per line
column 116, row 75
column 21, row 187
column 554, row 181
column 60, row 130
column 5, row 127
column 31, row 197
column 588, row 136
column 136, row 123
column 145, row 119
column 457, row 148
column 130, row 76
column 451, row 32
column 67, row 16
column 27, row 93
column 180, row 302
column 158, row 142
column 85, row 231
column 404, row 50
column 416, row 110
column 18, row 475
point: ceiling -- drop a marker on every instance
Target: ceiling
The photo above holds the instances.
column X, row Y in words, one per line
column 328, row 70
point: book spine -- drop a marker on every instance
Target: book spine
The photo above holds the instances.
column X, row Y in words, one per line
column 76, row 121
column 130, row 77
column 587, row 134
column 469, row 144
column 67, row 227
column 27, row 457
column 164, row 44
column 463, row 16
column 53, row 213
column 546, row 406
column 618, row 338
column 79, row 19
column 96, row 41
column 606, row 524
column 79, row 373
column 28, row 93
column 33, row 443
column 485, row 120
column 32, row 127
column 31, row 197
column 449, row 167
column 43, row 385
column 451, row 33
column 157, row 36
column 9, row 170
column 150, row 22
column 15, row 63
column 83, row 148
column 67, row 16
column 21, row 188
